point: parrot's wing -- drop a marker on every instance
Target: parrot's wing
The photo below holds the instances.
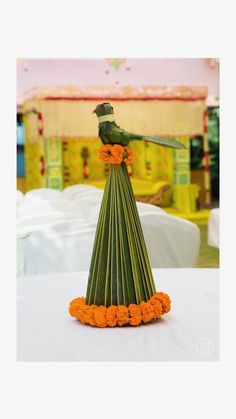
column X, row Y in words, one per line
column 165, row 142
column 118, row 135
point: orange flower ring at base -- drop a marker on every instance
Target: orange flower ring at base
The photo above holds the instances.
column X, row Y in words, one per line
column 112, row 316
column 115, row 154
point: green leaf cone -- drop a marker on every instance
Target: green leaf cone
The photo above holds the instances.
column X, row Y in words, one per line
column 120, row 272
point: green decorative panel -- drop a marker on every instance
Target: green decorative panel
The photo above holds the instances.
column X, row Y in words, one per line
column 182, row 167
column 53, row 152
column 55, row 178
column 182, row 177
column 54, row 163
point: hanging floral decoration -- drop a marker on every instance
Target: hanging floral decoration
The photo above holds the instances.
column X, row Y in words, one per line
column 116, row 62
column 85, row 156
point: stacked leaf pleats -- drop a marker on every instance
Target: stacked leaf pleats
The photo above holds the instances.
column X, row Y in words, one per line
column 120, row 272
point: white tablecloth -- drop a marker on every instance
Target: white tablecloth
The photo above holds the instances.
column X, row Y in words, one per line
column 189, row 332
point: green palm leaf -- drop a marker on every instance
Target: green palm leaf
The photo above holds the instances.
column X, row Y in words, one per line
column 120, row 271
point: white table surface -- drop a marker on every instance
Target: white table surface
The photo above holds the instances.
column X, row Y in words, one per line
column 189, row 332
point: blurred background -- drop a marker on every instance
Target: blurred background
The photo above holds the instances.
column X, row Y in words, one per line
column 57, row 147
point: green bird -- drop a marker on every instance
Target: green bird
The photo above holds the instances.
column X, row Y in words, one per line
column 111, row 133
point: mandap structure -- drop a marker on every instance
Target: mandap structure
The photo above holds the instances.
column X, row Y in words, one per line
column 61, row 145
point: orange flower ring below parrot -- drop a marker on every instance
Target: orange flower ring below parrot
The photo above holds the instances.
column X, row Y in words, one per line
column 115, row 154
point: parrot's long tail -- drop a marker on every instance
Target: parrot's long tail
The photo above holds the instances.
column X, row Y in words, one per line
column 165, row 142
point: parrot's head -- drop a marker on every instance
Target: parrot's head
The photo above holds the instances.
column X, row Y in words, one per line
column 104, row 109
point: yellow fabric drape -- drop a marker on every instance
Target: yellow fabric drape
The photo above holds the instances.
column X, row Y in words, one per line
column 75, row 162
column 159, row 159
column 184, row 197
column 181, row 166
column 34, row 177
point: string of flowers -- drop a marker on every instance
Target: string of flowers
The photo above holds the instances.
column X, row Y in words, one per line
column 112, row 316
column 115, row 154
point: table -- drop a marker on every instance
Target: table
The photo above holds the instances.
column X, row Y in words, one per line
column 46, row 331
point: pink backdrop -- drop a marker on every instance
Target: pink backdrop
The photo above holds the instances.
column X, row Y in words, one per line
column 53, row 72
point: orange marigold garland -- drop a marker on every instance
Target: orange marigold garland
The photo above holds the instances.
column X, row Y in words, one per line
column 133, row 315
column 115, row 154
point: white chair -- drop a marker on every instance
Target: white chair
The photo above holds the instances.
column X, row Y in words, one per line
column 65, row 246
column 20, row 248
column 213, row 228
column 39, row 210
column 20, row 242
column 171, row 241
column 34, row 213
column 74, row 191
column 19, row 201
column 85, row 196
column 43, row 194
column 19, row 197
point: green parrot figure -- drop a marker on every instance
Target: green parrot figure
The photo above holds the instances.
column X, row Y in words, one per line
column 111, row 133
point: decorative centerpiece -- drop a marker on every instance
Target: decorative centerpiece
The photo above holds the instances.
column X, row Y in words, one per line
column 121, row 289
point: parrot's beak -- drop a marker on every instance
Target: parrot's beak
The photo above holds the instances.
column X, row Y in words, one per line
column 94, row 111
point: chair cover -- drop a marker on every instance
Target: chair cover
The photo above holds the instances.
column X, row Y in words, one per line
column 172, row 242
column 43, row 193
column 19, row 201
column 65, row 246
column 73, row 192
column 38, row 213
column 213, row 228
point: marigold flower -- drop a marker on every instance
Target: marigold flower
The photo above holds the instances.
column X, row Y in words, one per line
column 157, row 307
column 122, row 315
column 111, row 316
column 100, row 316
column 165, row 301
column 73, row 311
column 77, row 301
column 135, row 315
column 89, row 315
column 81, row 313
column 128, row 155
column 105, row 152
column 117, row 154
column 111, row 153
column 147, row 311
